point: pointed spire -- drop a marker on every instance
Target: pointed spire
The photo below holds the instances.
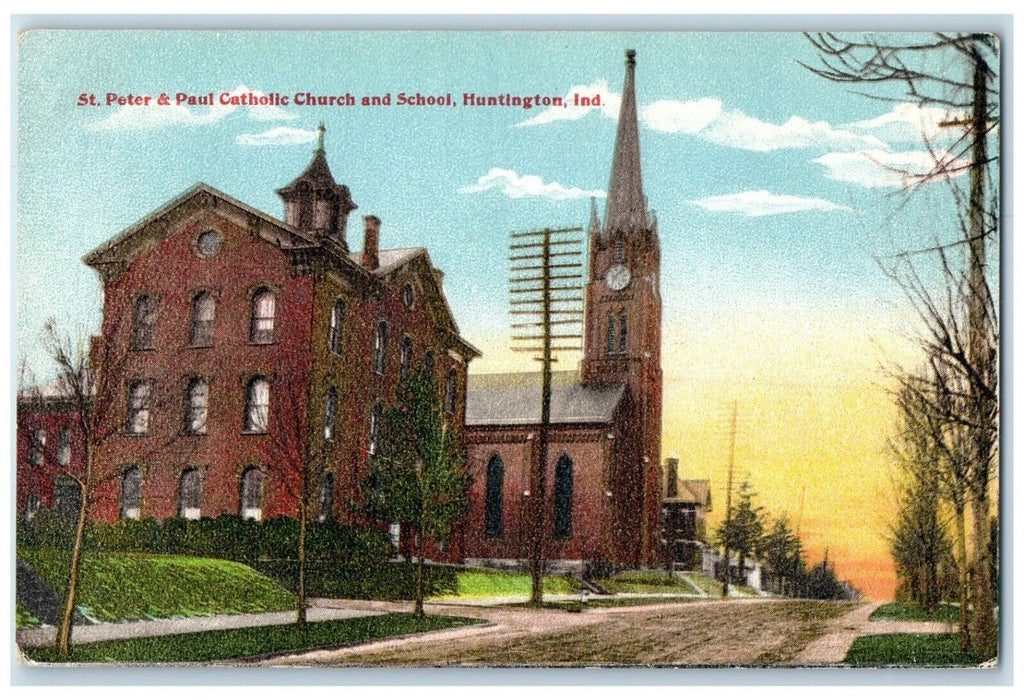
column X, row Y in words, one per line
column 626, row 208
column 595, row 220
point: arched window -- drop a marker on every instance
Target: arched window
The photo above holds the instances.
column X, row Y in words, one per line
column 138, row 408
column 620, row 252
column 334, row 330
column 326, row 497
column 64, row 446
column 330, row 410
column 131, row 493
column 611, row 333
column 198, row 399
column 405, row 357
column 264, row 305
column 428, row 363
column 257, row 405
column 623, row 333
column 380, row 347
column 203, row 307
column 495, row 504
column 563, row 497
column 250, row 494
column 451, row 389
column 144, row 323
column 189, row 488
column 375, row 418
column 37, row 447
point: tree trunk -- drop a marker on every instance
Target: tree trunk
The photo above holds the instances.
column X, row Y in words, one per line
column 961, row 572
column 418, row 610
column 64, row 627
column 983, row 622
column 300, row 613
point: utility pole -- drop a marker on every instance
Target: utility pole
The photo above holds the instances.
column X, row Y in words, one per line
column 728, row 502
column 546, row 286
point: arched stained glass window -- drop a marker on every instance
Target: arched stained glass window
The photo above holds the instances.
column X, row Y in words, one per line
column 380, row 347
column 405, row 357
column 495, row 504
column 563, row 497
column 330, row 412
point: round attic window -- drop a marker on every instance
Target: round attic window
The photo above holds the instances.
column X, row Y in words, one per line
column 209, row 242
column 408, row 295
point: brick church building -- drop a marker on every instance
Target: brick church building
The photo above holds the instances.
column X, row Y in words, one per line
column 234, row 344
column 604, row 475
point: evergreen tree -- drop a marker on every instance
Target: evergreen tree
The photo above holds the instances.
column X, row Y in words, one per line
column 743, row 530
column 418, row 468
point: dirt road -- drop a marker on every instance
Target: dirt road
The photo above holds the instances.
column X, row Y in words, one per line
column 712, row 633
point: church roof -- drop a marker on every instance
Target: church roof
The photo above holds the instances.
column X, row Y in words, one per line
column 389, row 260
column 626, row 207
column 514, row 399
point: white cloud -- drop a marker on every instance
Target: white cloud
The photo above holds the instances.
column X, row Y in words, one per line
column 673, row 116
column 738, row 130
column 765, row 203
column 877, row 168
column 609, row 105
column 517, row 186
column 154, row 116
column 908, row 122
column 278, row 136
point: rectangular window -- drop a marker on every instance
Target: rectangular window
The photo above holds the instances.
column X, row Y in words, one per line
column 37, row 447
column 64, row 446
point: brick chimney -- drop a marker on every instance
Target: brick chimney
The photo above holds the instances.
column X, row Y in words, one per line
column 371, row 243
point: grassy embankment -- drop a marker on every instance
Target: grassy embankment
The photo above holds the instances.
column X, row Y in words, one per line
column 147, row 586
column 908, row 650
column 911, row 612
column 483, row 583
column 222, row 645
column 648, row 582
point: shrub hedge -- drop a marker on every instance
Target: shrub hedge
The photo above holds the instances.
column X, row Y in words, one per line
column 363, row 580
column 223, row 537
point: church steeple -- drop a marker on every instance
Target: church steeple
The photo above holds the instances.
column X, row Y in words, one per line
column 315, row 203
column 626, row 208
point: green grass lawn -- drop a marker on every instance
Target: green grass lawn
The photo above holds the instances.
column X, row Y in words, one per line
column 485, row 583
column 908, row 650
column 646, row 582
column 915, row 613
column 204, row 647
column 118, row 586
column 24, row 619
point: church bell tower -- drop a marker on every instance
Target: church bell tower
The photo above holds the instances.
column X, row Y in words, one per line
column 622, row 330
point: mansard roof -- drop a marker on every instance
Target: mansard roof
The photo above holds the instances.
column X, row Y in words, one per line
column 515, row 399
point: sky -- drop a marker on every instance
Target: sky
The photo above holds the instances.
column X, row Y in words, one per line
column 776, row 194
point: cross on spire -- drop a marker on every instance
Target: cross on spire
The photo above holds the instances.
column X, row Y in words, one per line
column 626, row 208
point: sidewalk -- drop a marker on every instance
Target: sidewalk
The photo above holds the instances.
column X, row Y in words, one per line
column 107, row 631
column 831, row 648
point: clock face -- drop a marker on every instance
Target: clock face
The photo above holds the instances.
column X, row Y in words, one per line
column 617, row 277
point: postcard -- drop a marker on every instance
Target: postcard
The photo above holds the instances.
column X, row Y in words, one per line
column 426, row 348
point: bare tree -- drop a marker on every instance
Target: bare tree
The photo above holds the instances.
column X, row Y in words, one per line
column 959, row 317
column 300, row 448
column 88, row 381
